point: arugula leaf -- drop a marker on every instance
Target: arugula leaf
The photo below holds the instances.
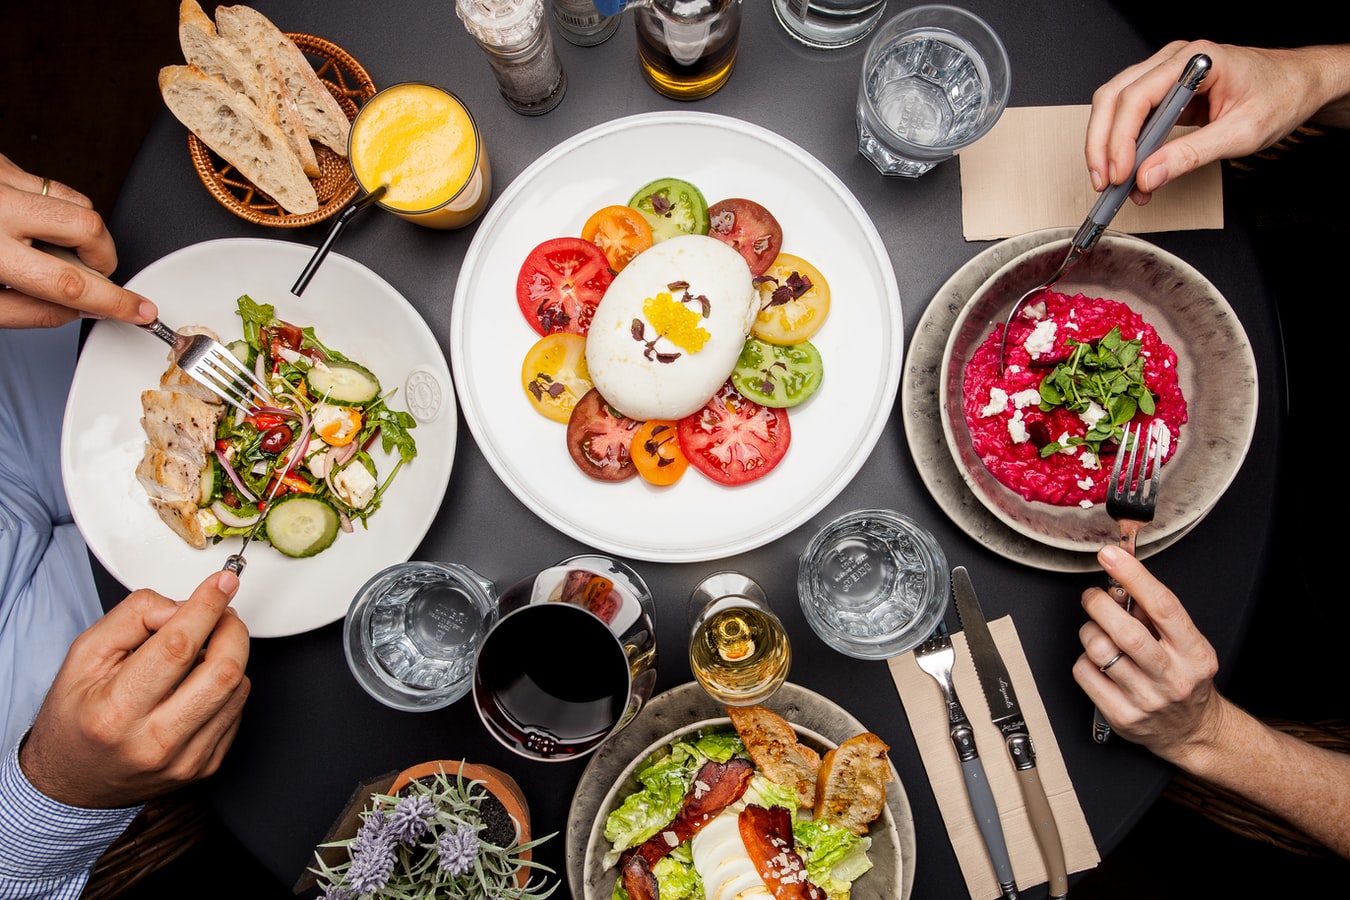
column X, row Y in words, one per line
column 1109, row 373
column 255, row 316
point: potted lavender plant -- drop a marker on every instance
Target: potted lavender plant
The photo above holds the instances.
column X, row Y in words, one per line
column 445, row 829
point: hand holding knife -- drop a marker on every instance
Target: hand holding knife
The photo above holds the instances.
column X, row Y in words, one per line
column 1007, row 717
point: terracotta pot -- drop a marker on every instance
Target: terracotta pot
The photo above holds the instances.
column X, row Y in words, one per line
column 500, row 785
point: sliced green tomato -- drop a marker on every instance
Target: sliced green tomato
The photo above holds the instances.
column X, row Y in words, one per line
column 776, row 375
column 672, row 207
column 301, row 525
column 343, row 381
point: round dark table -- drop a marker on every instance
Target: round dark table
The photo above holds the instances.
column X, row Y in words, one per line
column 310, row 734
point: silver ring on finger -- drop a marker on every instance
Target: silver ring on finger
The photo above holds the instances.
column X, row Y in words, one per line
column 1115, row 659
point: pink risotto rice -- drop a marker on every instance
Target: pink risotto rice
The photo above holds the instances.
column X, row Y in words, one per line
column 1004, row 415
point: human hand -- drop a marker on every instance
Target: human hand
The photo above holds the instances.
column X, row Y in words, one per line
column 1160, row 692
column 38, row 290
column 147, row 700
column 1251, row 98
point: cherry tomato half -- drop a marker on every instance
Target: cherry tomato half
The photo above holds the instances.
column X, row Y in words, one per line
column 555, row 376
column 749, row 229
column 794, row 300
column 733, row 440
column 656, row 452
column 599, row 439
column 620, row 232
column 672, row 206
column 560, row 284
column 777, row 376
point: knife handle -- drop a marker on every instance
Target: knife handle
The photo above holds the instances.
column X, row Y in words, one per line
column 991, row 829
column 1047, row 832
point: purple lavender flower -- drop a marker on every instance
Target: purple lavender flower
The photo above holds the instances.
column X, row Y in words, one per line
column 411, row 818
column 337, row 892
column 457, row 850
column 373, row 834
column 371, row 867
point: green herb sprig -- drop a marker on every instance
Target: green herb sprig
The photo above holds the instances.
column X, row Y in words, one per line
column 1109, row 372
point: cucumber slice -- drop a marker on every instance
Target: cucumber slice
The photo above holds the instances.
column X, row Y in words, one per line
column 300, row 525
column 242, row 351
column 342, row 381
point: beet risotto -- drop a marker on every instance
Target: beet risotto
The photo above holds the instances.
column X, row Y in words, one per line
column 1077, row 370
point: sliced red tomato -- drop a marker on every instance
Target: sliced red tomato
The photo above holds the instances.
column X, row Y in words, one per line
column 599, row 439
column 794, row 301
column 749, row 229
column 656, row 452
column 620, row 232
column 560, row 284
column 733, row 440
column 555, row 376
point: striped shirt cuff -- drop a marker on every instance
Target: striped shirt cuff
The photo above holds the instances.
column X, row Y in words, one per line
column 48, row 848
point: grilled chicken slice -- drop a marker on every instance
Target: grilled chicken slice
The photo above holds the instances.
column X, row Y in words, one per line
column 180, row 424
column 773, row 745
column 171, row 476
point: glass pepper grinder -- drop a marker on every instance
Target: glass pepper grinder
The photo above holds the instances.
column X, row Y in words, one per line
column 580, row 23
column 515, row 36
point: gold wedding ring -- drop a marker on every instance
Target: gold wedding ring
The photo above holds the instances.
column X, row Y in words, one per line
column 1115, row 659
column 46, row 186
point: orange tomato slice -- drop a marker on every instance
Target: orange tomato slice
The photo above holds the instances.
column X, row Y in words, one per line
column 620, row 232
column 656, row 452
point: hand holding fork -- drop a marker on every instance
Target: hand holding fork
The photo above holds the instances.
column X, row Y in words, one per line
column 1131, row 498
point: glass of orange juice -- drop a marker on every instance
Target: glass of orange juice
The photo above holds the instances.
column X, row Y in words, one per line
column 421, row 143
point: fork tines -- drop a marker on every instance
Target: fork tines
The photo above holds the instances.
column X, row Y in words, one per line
column 1136, row 481
column 219, row 371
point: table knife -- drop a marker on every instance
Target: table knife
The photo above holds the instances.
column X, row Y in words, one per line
column 1007, row 717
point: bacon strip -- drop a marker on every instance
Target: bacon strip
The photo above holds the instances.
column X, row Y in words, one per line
column 767, row 836
column 716, row 786
column 638, row 880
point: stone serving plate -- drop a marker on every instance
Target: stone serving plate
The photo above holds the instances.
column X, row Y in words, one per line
column 821, row 723
column 1215, row 366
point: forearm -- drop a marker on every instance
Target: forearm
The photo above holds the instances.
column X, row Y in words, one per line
column 1306, row 785
column 1327, row 69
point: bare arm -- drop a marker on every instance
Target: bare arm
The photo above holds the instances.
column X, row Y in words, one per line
column 1251, row 99
column 38, row 290
column 1161, row 694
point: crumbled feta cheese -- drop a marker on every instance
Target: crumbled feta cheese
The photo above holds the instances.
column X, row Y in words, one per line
column 1029, row 397
column 1086, row 483
column 1086, row 504
column 1093, row 414
column 1064, row 446
column 354, row 485
column 1041, row 339
column 1090, row 460
column 1034, row 311
column 1017, row 429
column 998, row 402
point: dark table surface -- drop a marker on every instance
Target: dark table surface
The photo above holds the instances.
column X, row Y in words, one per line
column 310, row 734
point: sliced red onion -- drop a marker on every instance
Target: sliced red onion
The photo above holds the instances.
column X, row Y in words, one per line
column 234, row 477
column 230, row 518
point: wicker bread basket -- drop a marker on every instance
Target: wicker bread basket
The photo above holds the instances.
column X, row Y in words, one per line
column 348, row 81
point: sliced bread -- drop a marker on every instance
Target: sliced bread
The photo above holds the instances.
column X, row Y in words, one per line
column 233, row 126
column 254, row 34
column 852, row 783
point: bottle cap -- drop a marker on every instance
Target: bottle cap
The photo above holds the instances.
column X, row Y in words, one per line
column 609, row 7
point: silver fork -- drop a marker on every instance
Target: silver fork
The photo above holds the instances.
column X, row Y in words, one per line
column 1131, row 499
column 214, row 367
column 936, row 657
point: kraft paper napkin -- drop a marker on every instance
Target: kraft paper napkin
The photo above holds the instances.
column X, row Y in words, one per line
column 1028, row 173
column 928, row 720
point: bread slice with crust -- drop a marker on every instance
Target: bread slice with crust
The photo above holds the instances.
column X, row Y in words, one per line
column 232, row 125
column 256, row 35
column 776, row 751
column 254, row 74
column 851, row 790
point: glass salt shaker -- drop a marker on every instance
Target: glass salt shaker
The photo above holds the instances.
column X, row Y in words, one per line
column 515, row 36
column 581, row 23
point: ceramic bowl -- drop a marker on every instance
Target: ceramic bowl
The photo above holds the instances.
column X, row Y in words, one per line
column 1215, row 367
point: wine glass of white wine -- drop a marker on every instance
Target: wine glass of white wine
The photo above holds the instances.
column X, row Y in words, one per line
column 738, row 648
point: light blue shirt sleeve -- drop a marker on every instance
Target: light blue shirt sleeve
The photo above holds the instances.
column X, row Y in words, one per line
column 47, row 849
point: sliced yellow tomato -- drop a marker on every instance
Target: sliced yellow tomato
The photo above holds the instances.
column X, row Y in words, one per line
column 656, row 452
column 794, row 300
column 554, row 374
column 620, row 232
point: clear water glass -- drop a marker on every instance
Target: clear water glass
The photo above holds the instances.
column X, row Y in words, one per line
column 829, row 24
column 413, row 631
column 934, row 80
column 873, row 583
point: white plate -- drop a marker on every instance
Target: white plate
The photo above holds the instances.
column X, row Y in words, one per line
column 819, row 721
column 832, row 433
column 102, row 440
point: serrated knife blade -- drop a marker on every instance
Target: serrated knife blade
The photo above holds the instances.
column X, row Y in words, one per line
column 1006, row 715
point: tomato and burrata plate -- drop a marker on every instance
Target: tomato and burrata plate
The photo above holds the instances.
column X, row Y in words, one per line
column 673, row 334
column 1078, row 369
